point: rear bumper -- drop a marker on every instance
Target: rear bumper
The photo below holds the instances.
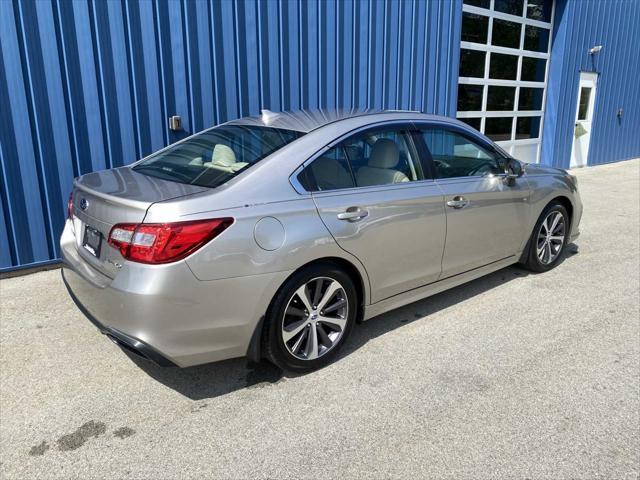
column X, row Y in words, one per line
column 121, row 339
column 164, row 313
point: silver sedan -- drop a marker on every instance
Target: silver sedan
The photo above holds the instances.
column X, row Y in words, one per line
column 272, row 236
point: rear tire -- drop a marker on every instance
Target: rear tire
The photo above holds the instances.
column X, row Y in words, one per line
column 310, row 318
column 548, row 239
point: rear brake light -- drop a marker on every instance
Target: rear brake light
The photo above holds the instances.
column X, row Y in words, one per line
column 164, row 242
column 70, row 206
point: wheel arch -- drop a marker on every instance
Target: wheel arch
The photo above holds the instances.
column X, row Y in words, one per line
column 562, row 200
column 566, row 203
column 356, row 273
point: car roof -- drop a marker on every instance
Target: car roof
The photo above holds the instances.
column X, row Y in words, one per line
column 309, row 120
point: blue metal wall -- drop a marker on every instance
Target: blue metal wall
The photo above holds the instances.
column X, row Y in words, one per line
column 88, row 85
column 580, row 25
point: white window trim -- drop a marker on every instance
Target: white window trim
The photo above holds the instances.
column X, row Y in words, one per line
column 507, row 16
column 506, row 50
column 485, row 81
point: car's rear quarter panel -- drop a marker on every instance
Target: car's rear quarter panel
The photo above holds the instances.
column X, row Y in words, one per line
column 236, row 253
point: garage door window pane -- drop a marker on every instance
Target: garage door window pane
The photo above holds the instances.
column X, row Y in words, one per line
column 472, row 63
column 498, row 129
column 472, row 122
column 508, row 106
column 474, row 28
column 505, row 33
column 539, row 10
column 533, row 69
column 530, row 98
column 512, row 7
column 527, row 127
column 469, row 97
column 503, row 66
column 536, row 39
column 500, row 98
column 477, row 3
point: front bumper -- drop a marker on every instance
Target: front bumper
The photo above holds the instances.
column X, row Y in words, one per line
column 166, row 314
column 577, row 216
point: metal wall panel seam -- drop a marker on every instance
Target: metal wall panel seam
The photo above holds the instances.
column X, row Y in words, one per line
column 67, row 88
column 35, row 123
column 13, row 250
column 132, row 81
column 11, row 145
column 102, row 101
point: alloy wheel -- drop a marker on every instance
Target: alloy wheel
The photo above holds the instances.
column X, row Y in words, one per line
column 315, row 318
column 551, row 237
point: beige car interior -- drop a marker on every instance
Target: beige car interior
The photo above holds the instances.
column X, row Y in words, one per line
column 222, row 159
column 381, row 168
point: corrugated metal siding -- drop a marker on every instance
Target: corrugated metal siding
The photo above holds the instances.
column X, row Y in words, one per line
column 580, row 25
column 88, row 85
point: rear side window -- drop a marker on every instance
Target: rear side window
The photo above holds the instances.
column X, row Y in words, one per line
column 331, row 171
column 214, row 157
column 455, row 155
column 375, row 157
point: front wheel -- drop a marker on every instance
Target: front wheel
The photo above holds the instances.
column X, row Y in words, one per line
column 549, row 238
column 310, row 318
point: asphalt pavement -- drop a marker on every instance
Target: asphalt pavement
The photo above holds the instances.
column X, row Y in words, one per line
column 514, row 375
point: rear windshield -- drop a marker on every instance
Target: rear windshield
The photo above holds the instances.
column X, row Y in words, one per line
column 214, row 157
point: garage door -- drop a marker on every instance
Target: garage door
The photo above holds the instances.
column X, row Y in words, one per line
column 504, row 60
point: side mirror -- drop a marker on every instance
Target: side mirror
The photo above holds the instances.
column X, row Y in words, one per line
column 513, row 170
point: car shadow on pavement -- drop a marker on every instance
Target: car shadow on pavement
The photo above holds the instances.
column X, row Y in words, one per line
column 215, row 379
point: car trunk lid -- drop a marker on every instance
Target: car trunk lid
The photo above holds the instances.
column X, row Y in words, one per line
column 121, row 195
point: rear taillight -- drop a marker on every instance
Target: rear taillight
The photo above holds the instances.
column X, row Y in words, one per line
column 164, row 242
column 70, row 206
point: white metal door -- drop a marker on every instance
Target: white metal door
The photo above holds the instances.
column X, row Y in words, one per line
column 584, row 118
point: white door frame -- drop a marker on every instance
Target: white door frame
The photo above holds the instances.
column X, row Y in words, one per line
column 587, row 85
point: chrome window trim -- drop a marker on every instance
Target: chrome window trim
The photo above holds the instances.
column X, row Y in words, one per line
column 469, row 178
column 374, row 188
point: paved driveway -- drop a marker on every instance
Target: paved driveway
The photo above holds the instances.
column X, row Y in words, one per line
column 513, row 375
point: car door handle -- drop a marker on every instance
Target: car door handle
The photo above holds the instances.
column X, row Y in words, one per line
column 458, row 202
column 353, row 214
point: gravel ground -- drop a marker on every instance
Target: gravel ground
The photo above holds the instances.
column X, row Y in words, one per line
column 513, row 375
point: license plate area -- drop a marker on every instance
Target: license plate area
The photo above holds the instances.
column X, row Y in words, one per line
column 92, row 240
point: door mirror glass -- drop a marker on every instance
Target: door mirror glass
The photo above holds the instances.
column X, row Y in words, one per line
column 514, row 169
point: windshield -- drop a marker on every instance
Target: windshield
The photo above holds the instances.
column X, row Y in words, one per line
column 214, row 157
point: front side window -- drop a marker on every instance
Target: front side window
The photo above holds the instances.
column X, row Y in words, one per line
column 455, row 155
column 367, row 159
column 215, row 156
